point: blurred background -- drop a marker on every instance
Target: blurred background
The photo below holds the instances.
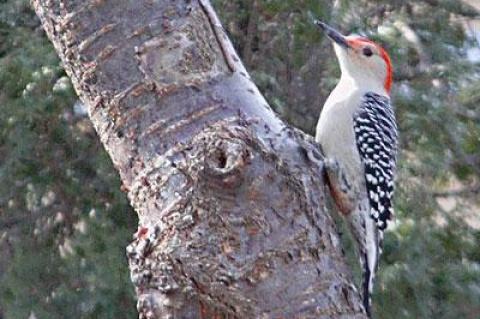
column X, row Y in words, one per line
column 64, row 223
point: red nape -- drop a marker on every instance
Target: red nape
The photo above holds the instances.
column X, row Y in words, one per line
column 388, row 62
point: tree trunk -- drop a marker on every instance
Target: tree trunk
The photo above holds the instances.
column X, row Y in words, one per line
column 231, row 201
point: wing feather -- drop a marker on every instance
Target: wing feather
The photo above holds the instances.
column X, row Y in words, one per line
column 377, row 137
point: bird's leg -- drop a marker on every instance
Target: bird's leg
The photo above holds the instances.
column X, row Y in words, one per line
column 341, row 190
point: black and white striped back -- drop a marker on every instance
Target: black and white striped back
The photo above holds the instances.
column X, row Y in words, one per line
column 376, row 137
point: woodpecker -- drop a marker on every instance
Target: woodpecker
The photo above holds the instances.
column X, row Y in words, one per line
column 358, row 134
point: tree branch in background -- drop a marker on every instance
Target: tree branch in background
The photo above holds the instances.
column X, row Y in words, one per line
column 412, row 37
column 459, row 7
column 468, row 191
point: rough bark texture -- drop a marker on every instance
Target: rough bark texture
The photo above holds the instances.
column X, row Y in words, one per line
column 231, row 201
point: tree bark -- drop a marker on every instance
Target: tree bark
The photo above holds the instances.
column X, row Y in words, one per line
column 231, row 201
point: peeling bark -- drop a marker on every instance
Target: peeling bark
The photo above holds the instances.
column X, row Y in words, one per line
column 231, row 201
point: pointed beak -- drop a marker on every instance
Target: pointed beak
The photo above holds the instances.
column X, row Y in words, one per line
column 333, row 34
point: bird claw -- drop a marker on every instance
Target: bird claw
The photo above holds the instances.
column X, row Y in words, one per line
column 342, row 191
column 331, row 164
column 335, row 172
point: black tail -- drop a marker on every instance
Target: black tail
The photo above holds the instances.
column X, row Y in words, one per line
column 367, row 297
column 370, row 256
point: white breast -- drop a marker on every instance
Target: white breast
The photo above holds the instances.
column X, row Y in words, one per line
column 335, row 127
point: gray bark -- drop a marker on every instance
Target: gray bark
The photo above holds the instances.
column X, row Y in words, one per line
column 231, row 201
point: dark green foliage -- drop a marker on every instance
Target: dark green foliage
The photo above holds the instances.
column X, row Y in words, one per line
column 64, row 224
column 58, row 259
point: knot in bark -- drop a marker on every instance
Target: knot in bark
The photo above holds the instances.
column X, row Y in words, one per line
column 227, row 161
column 226, row 155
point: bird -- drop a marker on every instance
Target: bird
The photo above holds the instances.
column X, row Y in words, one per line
column 358, row 135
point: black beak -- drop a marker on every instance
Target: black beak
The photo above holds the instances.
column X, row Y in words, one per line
column 333, row 34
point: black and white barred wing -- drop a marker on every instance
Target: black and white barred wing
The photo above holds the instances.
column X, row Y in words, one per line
column 376, row 137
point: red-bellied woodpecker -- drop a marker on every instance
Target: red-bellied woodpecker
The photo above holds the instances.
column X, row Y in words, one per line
column 358, row 135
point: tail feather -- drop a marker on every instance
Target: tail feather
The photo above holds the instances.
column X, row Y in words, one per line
column 369, row 239
column 370, row 257
column 367, row 285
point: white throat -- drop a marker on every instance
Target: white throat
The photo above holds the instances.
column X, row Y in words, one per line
column 362, row 82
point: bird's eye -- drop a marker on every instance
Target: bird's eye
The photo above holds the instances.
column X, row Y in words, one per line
column 367, row 52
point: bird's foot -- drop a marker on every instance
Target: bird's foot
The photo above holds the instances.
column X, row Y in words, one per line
column 336, row 173
column 341, row 190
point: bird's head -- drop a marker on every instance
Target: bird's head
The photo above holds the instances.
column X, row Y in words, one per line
column 360, row 58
